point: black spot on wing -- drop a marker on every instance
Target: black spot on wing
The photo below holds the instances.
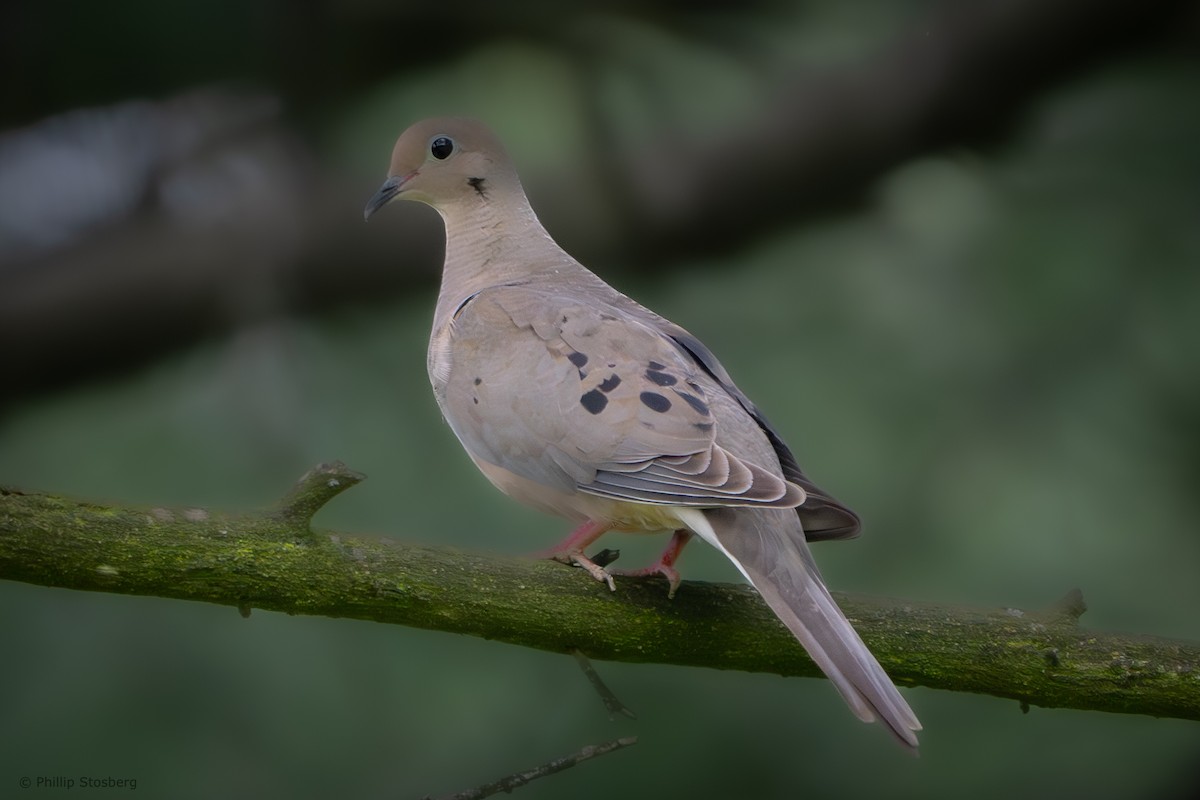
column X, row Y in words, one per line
column 660, row 378
column 655, row 402
column 594, row 401
column 610, row 383
column 478, row 381
column 703, row 426
column 656, row 365
column 578, row 359
column 695, row 402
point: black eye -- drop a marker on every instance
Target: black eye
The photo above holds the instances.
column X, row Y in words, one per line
column 441, row 147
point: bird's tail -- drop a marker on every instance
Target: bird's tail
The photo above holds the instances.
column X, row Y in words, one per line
column 776, row 560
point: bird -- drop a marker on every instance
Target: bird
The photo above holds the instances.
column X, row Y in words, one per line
column 574, row 399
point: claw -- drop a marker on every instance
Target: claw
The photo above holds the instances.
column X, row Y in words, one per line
column 657, row 568
column 595, row 570
column 570, row 551
column 665, row 565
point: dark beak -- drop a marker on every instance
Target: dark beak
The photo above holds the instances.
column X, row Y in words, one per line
column 387, row 193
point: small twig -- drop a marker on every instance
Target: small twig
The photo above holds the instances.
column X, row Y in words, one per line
column 605, row 557
column 510, row 782
column 1071, row 605
column 315, row 488
column 611, row 701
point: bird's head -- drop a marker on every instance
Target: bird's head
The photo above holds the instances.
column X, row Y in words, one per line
column 443, row 162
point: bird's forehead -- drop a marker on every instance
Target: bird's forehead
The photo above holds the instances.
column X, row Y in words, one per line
column 410, row 147
column 467, row 135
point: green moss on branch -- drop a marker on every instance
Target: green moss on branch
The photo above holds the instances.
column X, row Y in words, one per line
column 273, row 560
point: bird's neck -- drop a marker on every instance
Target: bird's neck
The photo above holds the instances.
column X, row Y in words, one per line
column 491, row 244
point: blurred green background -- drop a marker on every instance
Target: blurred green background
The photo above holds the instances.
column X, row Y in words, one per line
column 973, row 237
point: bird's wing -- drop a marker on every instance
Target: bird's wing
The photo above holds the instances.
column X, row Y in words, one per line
column 578, row 395
column 823, row 516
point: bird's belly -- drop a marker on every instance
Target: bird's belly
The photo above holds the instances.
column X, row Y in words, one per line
column 619, row 515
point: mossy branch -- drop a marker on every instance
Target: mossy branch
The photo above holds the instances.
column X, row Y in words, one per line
column 273, row 560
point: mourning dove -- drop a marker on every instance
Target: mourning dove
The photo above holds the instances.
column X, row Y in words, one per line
column 574, row 399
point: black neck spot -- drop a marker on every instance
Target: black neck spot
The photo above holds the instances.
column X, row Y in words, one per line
column 477, row 185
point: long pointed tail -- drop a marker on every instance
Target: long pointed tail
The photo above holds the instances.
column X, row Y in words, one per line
column 775, row 558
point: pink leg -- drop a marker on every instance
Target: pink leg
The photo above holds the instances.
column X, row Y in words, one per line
column 665, row 565
column 570, row 551
column 581, row 537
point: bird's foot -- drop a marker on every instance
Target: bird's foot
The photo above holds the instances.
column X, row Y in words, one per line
column 657, row 568
column 665, row 565
column 570, row 551
column 578, row 559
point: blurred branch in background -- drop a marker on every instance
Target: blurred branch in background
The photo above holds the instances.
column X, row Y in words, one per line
column 519, row 779
column 273, row 560
column 131, row 229
column 962, row 76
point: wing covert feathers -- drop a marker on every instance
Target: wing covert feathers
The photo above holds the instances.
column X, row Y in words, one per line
column 614, row 407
